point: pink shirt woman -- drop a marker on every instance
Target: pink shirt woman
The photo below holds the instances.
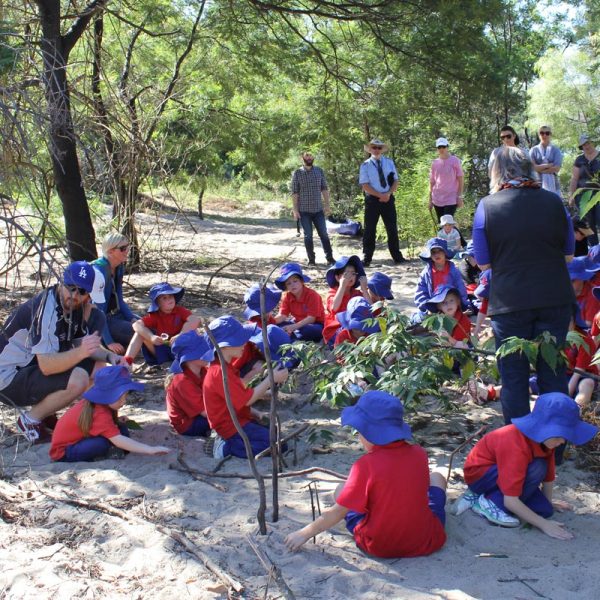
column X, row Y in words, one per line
column 446, row 181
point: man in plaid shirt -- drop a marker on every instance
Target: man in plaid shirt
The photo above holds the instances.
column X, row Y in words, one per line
column 308, row 185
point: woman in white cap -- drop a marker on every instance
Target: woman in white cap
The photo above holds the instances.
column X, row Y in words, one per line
column 586, row 174
column 446, row 181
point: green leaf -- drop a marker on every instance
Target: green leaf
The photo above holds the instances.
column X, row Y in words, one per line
column 131, row 424
column 550, row 354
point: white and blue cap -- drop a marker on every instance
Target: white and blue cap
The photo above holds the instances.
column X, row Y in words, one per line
column 381, row 285
column 276, row 338
column 190, row 346
column 252, row 300
column 229, row 332
column 555, row 415
column 163, row 289
column 110, row 383
column 83, row 275
column 378, row 417
column 357, row 316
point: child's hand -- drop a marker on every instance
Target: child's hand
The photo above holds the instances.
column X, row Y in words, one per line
column 157, row 340
column 289, row 329
column 347, row 279
column 363, row 282
column 280, row 375
column 561, row 505
column 160, row 450
column 294, row 540
column 557, row 530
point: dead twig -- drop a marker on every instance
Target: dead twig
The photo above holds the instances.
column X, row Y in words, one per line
column 272, row 569
column 263, row 476
column 287, row 438
column 216, row 273
column 187, row 469
column 461, row 446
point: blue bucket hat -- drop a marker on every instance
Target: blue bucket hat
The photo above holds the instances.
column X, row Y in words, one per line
column 580, row 269
column 229, row 332
column 555, row 415
column 162, row 289
column 276, row 337
column 483, row 289
column 381, row 285
column 190, row 346
column 593, row 257
column 378, row 416
column 339, row 265
column 286, row 271
column 110, row 383
column 439, row 296
column 435, row 243
column 356, row 315
column 252, row 300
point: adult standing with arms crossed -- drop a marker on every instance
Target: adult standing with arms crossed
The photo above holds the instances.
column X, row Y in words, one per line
column 547, row 160
column 446, row 181
column 379, row 180
column 308, row 186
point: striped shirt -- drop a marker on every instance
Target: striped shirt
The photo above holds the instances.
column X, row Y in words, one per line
column 309, row 184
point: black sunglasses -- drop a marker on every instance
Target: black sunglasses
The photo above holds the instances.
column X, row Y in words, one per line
column 74, row 288
column 438, row 147
column 508, row 136
column 545, row 133
column 122, row 248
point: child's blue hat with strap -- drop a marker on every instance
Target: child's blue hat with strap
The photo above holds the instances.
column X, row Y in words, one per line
column 435, row 242
column 580, row 269
column 378, row 416
column 190, row 346
column 339, row 265
column 229, row 332
column 555, row 415
column 276, row 337
column 381, row 285
column 439, row 296
column 357, row 315
column 163, row 289
column 252, row 300
column 286, row 271
column 110, row 383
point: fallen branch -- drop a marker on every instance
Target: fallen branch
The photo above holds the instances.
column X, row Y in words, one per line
column 272, row 570
column 263, row 476
column 177, row 536
column 287, row 438
column 187, row 469
column 461, row 446
column 216, row 273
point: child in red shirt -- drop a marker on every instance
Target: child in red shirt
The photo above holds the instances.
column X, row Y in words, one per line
column 343, row 278
column 447, row 300
column 581, row 275
column 301, row 314
column 505, row 469
column 165, row 319
column 252, row 301
column 355, row 322
column 231, row 336
column 90, row 429
column 391, row 503
column 580, row 357
column 185, row 402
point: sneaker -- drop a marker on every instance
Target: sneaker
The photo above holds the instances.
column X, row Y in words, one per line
column 219, row 447
column 479, row 392
column 487, row 509
column 35, row 433
column 466, row 501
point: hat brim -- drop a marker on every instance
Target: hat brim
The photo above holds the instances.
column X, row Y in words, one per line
column 341, row 264
column 585, row 231
column 377, row 433
column 176, row 292
column 530, row 426
column 381, row 292
column 280, row 281
column 98, row 396
column 426, row 254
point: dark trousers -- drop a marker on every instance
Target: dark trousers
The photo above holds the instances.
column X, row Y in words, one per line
column 91, row 448
column 307, row 220
column 387, row 211
column 440, row 211
column 514, row 368
column 531, row 495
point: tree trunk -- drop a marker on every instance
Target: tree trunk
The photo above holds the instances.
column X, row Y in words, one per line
column 81, row 239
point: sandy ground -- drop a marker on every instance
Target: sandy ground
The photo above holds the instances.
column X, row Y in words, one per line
column 116, row 542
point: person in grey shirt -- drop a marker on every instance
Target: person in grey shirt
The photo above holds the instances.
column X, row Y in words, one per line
column 547, row 161
column 310, row 196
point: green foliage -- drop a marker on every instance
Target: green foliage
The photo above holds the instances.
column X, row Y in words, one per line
column 544, row 346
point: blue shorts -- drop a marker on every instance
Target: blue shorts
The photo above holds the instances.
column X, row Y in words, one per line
column 437, row 502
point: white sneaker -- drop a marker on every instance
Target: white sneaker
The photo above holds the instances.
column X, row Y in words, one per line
column 464, row 502
column 219, row 446
column 486, row 508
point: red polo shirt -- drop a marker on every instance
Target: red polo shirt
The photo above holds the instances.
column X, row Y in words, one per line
column 309, row 304
column 185, row 400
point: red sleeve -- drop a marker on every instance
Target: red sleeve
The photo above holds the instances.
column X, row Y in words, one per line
column 150, row 320
column 285, row 305
column 354, row 494
column 513, row 461
column 329, row 300
column 344, row 336
column 462, row 330
column 484, row 306
column 240, row 394
column 103, row 423
column 184, row 312
column 188, row 396
column 590, row 307
column 595, row 325
column 584, row 358
column 315, row 306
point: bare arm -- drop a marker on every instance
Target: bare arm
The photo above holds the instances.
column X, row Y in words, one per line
column 146, row 333
column 371, row 191
column 280, row 375
column 191, row 323
column 295, row 211
column 59, row 362
column 326, row 206
column 330, row 517
column 552, row 528
column 125, row 443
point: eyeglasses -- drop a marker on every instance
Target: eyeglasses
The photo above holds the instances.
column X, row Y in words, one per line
column 439, row 147
column 545, row 133
column 74, row 289
column 122, row 248
column 507, row 136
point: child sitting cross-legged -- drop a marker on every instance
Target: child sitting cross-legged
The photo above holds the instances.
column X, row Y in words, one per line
column 165, row 318
column 90, row 430
column 301, row 314
column 581, row 385
column 252, row 301
column 447, row 300
column 185, row 401
column 450, row 233
column 392, row 505
column 343, row 278
column 510, row 471
column 230, row 336
column 439, row 271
